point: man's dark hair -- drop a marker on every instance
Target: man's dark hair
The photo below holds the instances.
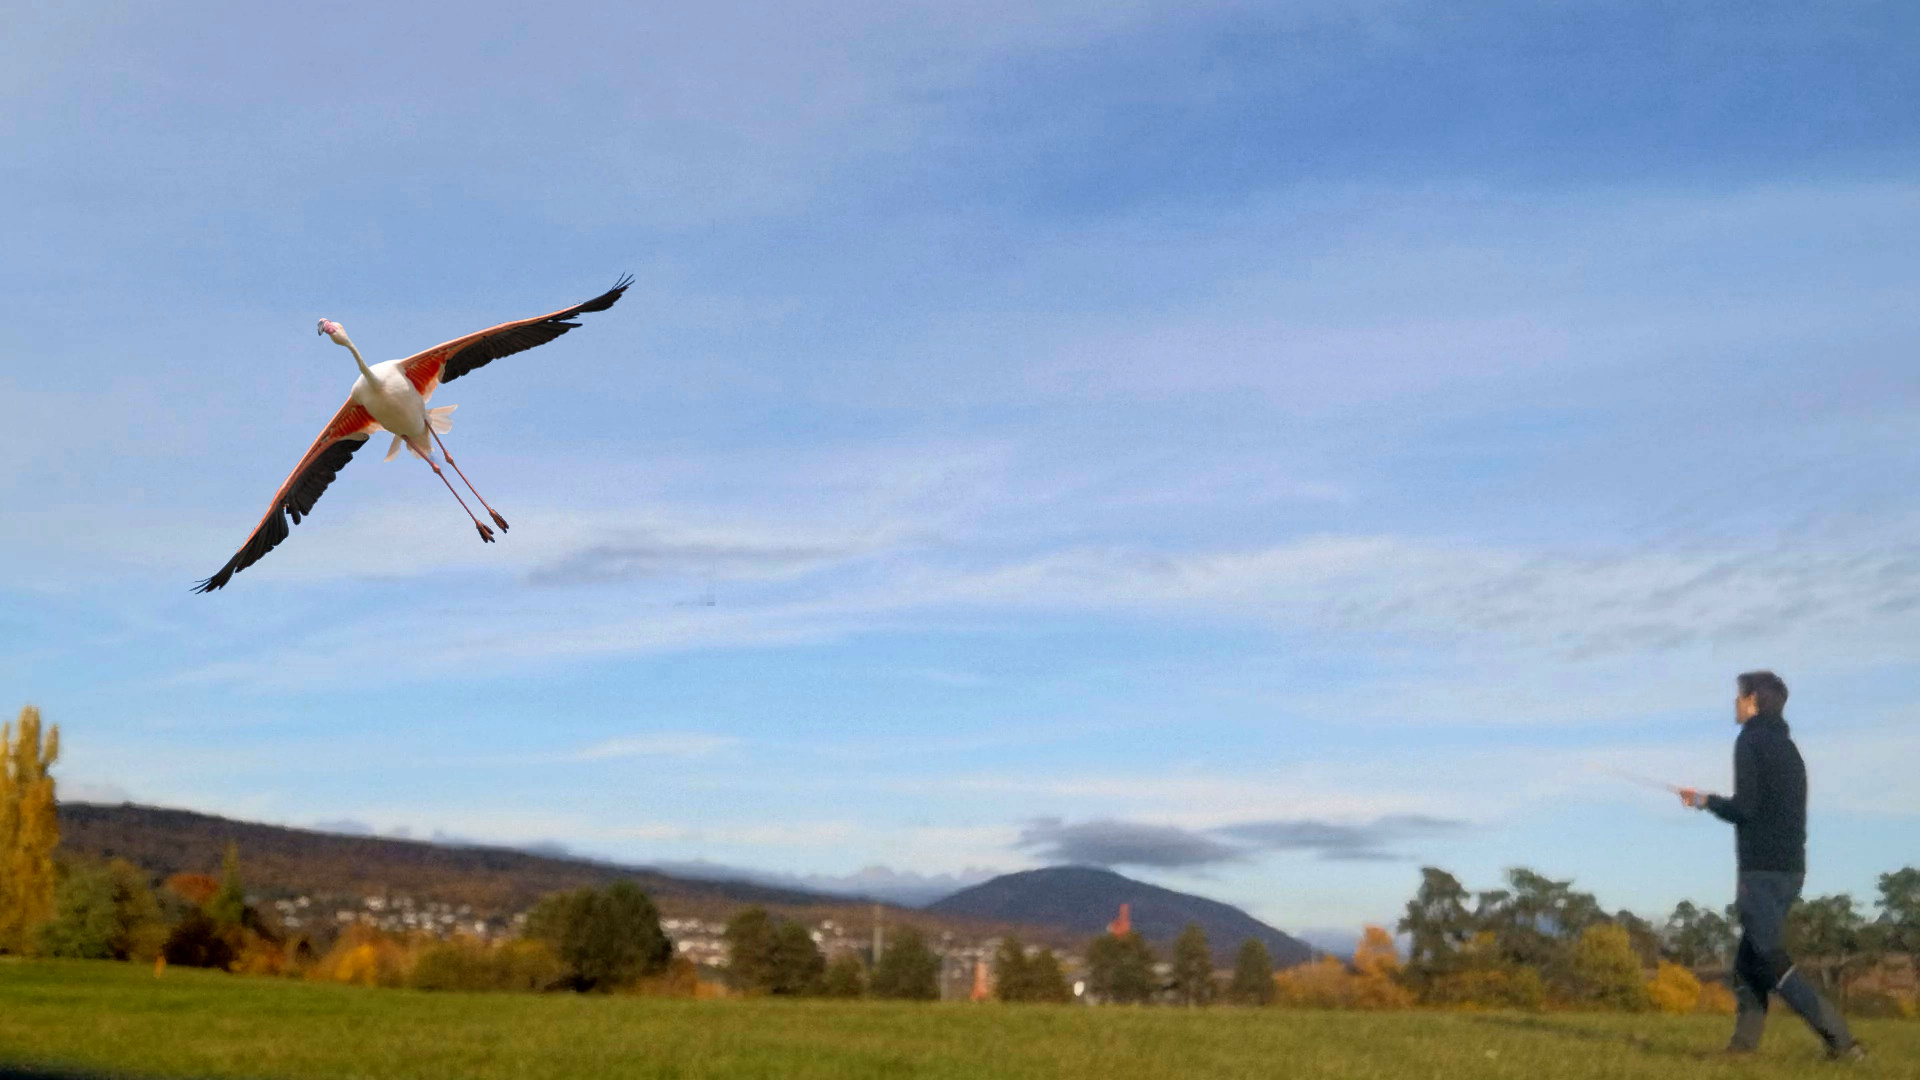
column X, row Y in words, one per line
column 1766, row 688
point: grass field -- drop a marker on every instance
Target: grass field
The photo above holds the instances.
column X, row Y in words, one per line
column 63, row 1019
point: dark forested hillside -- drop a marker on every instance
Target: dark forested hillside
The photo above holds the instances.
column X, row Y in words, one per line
column 285, row 861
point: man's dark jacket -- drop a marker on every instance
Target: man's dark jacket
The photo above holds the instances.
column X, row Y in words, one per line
column 1769, row 804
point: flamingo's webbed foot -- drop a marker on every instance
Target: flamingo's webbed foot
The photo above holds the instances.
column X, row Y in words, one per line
column 497, row 519
column 486, row 534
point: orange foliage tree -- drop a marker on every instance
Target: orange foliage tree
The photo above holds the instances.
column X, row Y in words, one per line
column 1371, row 983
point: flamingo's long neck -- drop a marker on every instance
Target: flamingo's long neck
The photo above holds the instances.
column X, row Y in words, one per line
column 365, row 371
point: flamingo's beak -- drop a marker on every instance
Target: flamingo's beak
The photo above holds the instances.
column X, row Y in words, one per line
column 333, row 330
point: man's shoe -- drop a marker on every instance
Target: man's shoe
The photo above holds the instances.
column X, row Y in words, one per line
column 1850, row 1054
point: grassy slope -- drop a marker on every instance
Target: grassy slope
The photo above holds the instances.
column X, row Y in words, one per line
column 96, row 1018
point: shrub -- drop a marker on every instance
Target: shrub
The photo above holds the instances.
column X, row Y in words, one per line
column 1674, row 989
column 1327, row 983
column 195, row 941
column 103, row 913
column 1606, row 969
column 1879, row 1004
column 1490, row 988
column 846, row 977
column 465, row 964
column 364, row 957
column 681, row 979
column 1716, row 999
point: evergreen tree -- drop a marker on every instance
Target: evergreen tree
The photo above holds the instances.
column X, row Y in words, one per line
column 228, row 908
column 1439, row 924
column 1252, row 975
column 1643, row 935
column 1120, row 968
column 29, row 828
column 750, row 951
column 1697, row 938
column 1045, row 981
column 908, row 969
column 606, row 938
column 1193, row 967
column 1012, row 975
column 1899, row 906
column 798, row 965
column 846, row 977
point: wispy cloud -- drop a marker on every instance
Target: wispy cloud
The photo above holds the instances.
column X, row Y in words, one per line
column 686, row 744
column 1124, row 843
column 625, row 557
column 1340, row 841
column 1108, row 842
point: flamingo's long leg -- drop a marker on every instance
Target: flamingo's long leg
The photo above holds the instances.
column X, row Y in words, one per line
column 497, row 519
column 486, row 534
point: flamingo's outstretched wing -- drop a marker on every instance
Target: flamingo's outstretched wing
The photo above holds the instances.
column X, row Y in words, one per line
column 330, row 452
column 448, row 361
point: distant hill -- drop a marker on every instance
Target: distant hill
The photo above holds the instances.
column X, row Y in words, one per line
column 277, row 862
column 1081, row 900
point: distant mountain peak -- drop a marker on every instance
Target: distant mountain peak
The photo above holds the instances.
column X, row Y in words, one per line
column 1083, row 900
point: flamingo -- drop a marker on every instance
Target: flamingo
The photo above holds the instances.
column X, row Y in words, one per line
column 392, row 396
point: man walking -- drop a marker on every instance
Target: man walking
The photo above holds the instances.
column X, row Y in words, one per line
column 1768, row 810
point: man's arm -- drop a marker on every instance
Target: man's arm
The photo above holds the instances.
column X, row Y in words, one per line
column 1746, row 786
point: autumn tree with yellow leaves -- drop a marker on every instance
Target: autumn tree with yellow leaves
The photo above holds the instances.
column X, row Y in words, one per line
column 29, row 829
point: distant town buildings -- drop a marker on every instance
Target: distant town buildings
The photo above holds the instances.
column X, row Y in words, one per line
column 966, row 971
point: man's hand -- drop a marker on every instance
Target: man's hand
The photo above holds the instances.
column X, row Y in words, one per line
column 1691, row 798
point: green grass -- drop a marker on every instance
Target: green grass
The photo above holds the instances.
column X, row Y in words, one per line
column 67, row 1018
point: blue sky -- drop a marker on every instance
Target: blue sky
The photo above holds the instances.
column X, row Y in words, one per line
column 1267, row 447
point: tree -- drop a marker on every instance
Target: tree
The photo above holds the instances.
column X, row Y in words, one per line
column 104, row 913
column 1642, row 934
column 750, row 951
column 1697, row 938
column 1120, row 968
column 1899, row 906
column 1193, row 967
column 228, row 905
column 195, row 941
column 1045, row 980
column 846, row 977
column 606, row 938
column 1824, row 935
column 1375, row 957
column 908, row 970
column 29, row 828
column 1607, row 971
column 1252, row 975
column 1438, row 923
column 1012, row 975
column 798, row 965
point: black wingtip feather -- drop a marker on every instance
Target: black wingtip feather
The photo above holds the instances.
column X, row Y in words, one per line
column 524, row 336
column 607, row 299
column 305, row 490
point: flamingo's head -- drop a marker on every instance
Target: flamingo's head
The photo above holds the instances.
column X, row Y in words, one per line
column 334, row 330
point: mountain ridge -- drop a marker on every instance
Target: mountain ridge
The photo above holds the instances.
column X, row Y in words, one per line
column 1082, row 899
